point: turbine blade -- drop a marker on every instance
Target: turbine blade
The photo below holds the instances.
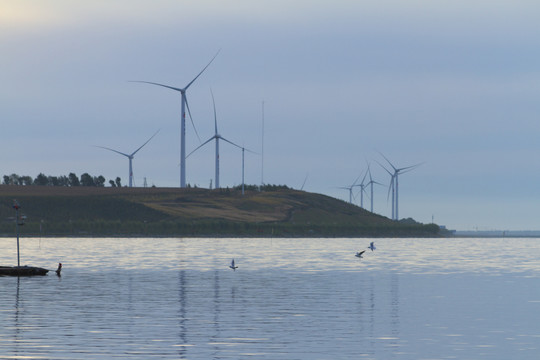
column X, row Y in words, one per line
column 230, row 142
column 116, row 151
column 370, row 178
column 409, row 168
column 388, row 171
column 215, row 115
column 390, row 187
column 153, row 83
column 147, row 141
column 191, row 118
column 355, row 181
column 192, row 81
column 304, row 183
column 365, row 175
column 393, row 167
column 253, row 152
column 200, row 146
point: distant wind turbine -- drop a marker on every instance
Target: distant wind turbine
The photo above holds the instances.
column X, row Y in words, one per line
column 304, row 183
column 350, row 188
column 392, row 189
column 183, row 120
column 362, row 189
column 243, row 151
column 395, row 185
column 370, row 183
column 130, row 157
column 218, row 137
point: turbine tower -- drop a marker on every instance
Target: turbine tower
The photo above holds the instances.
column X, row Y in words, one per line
column 395, row 184
column 183, row 120
column 391, row 188
column 217, row 137
column 362, row 189
column 370, row 183
column 243, row 151
column 130, row 157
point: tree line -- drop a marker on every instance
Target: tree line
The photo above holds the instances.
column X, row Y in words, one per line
column 70, row 180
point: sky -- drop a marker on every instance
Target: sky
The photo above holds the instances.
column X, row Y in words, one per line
column 451, row 85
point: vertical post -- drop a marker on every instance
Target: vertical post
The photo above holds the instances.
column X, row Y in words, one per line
column 183, row 142
column 397, row 197
column 217, row 163
column 17, row 221
column 262, row 147
column 371, row 195
column 243, row 171
column 16, row 207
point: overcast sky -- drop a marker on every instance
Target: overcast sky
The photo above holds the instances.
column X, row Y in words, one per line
column 453, row 85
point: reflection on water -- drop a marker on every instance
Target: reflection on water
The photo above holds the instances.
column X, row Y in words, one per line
column 289, row 299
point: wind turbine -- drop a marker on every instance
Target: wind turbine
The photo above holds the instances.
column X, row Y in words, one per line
column 362, row 189
column 217, row 137
column 183, row 119
column 395, row 184
column 370, row 183
column 350, row 188
column 391, row 188
column 243, row 150
column 130, row 157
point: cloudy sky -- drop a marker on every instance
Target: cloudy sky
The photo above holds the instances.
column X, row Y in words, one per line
column 453, row 85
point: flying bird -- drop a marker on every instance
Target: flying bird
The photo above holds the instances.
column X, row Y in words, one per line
column 372, row 246
column 359, row 254
column 232, row 266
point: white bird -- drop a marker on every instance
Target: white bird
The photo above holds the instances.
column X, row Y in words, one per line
column 372, row 246
column 359, row 254
column 232, row 265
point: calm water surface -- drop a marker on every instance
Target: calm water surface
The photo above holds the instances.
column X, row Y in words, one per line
column 289, row 299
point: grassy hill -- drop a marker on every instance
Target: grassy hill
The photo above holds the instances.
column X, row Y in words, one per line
column 108, row 211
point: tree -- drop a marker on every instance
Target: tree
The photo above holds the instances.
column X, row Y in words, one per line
column 118, row 181
column 26, row 180
column 99, row 181
column 13, row 179
column 41, row 180
column 113, row 184
column 63, row 181
column 87, row 180
column 53, row 180
column 73, row 180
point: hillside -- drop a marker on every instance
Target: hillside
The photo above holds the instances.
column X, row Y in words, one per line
column 108, row 211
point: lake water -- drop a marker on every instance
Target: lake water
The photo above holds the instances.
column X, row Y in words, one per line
column 288, row 299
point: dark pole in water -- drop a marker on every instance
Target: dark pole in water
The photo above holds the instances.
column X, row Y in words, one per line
column 16, row 206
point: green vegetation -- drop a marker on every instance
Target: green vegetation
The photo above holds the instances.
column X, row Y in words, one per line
column 48, row 180
column 120, row 211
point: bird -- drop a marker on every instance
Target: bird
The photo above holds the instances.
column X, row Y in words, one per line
column 59, row 269
column 359, row 254
column 372, row 246
column 232, row 266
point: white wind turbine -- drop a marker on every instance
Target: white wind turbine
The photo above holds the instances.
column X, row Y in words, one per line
column 350, row 188
column 243, row 151
column 362, row 189
column 370, row 183
column 390, row 188
column 395, row 184
column 130, row 157
column 183, row 120
column 218, row 137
